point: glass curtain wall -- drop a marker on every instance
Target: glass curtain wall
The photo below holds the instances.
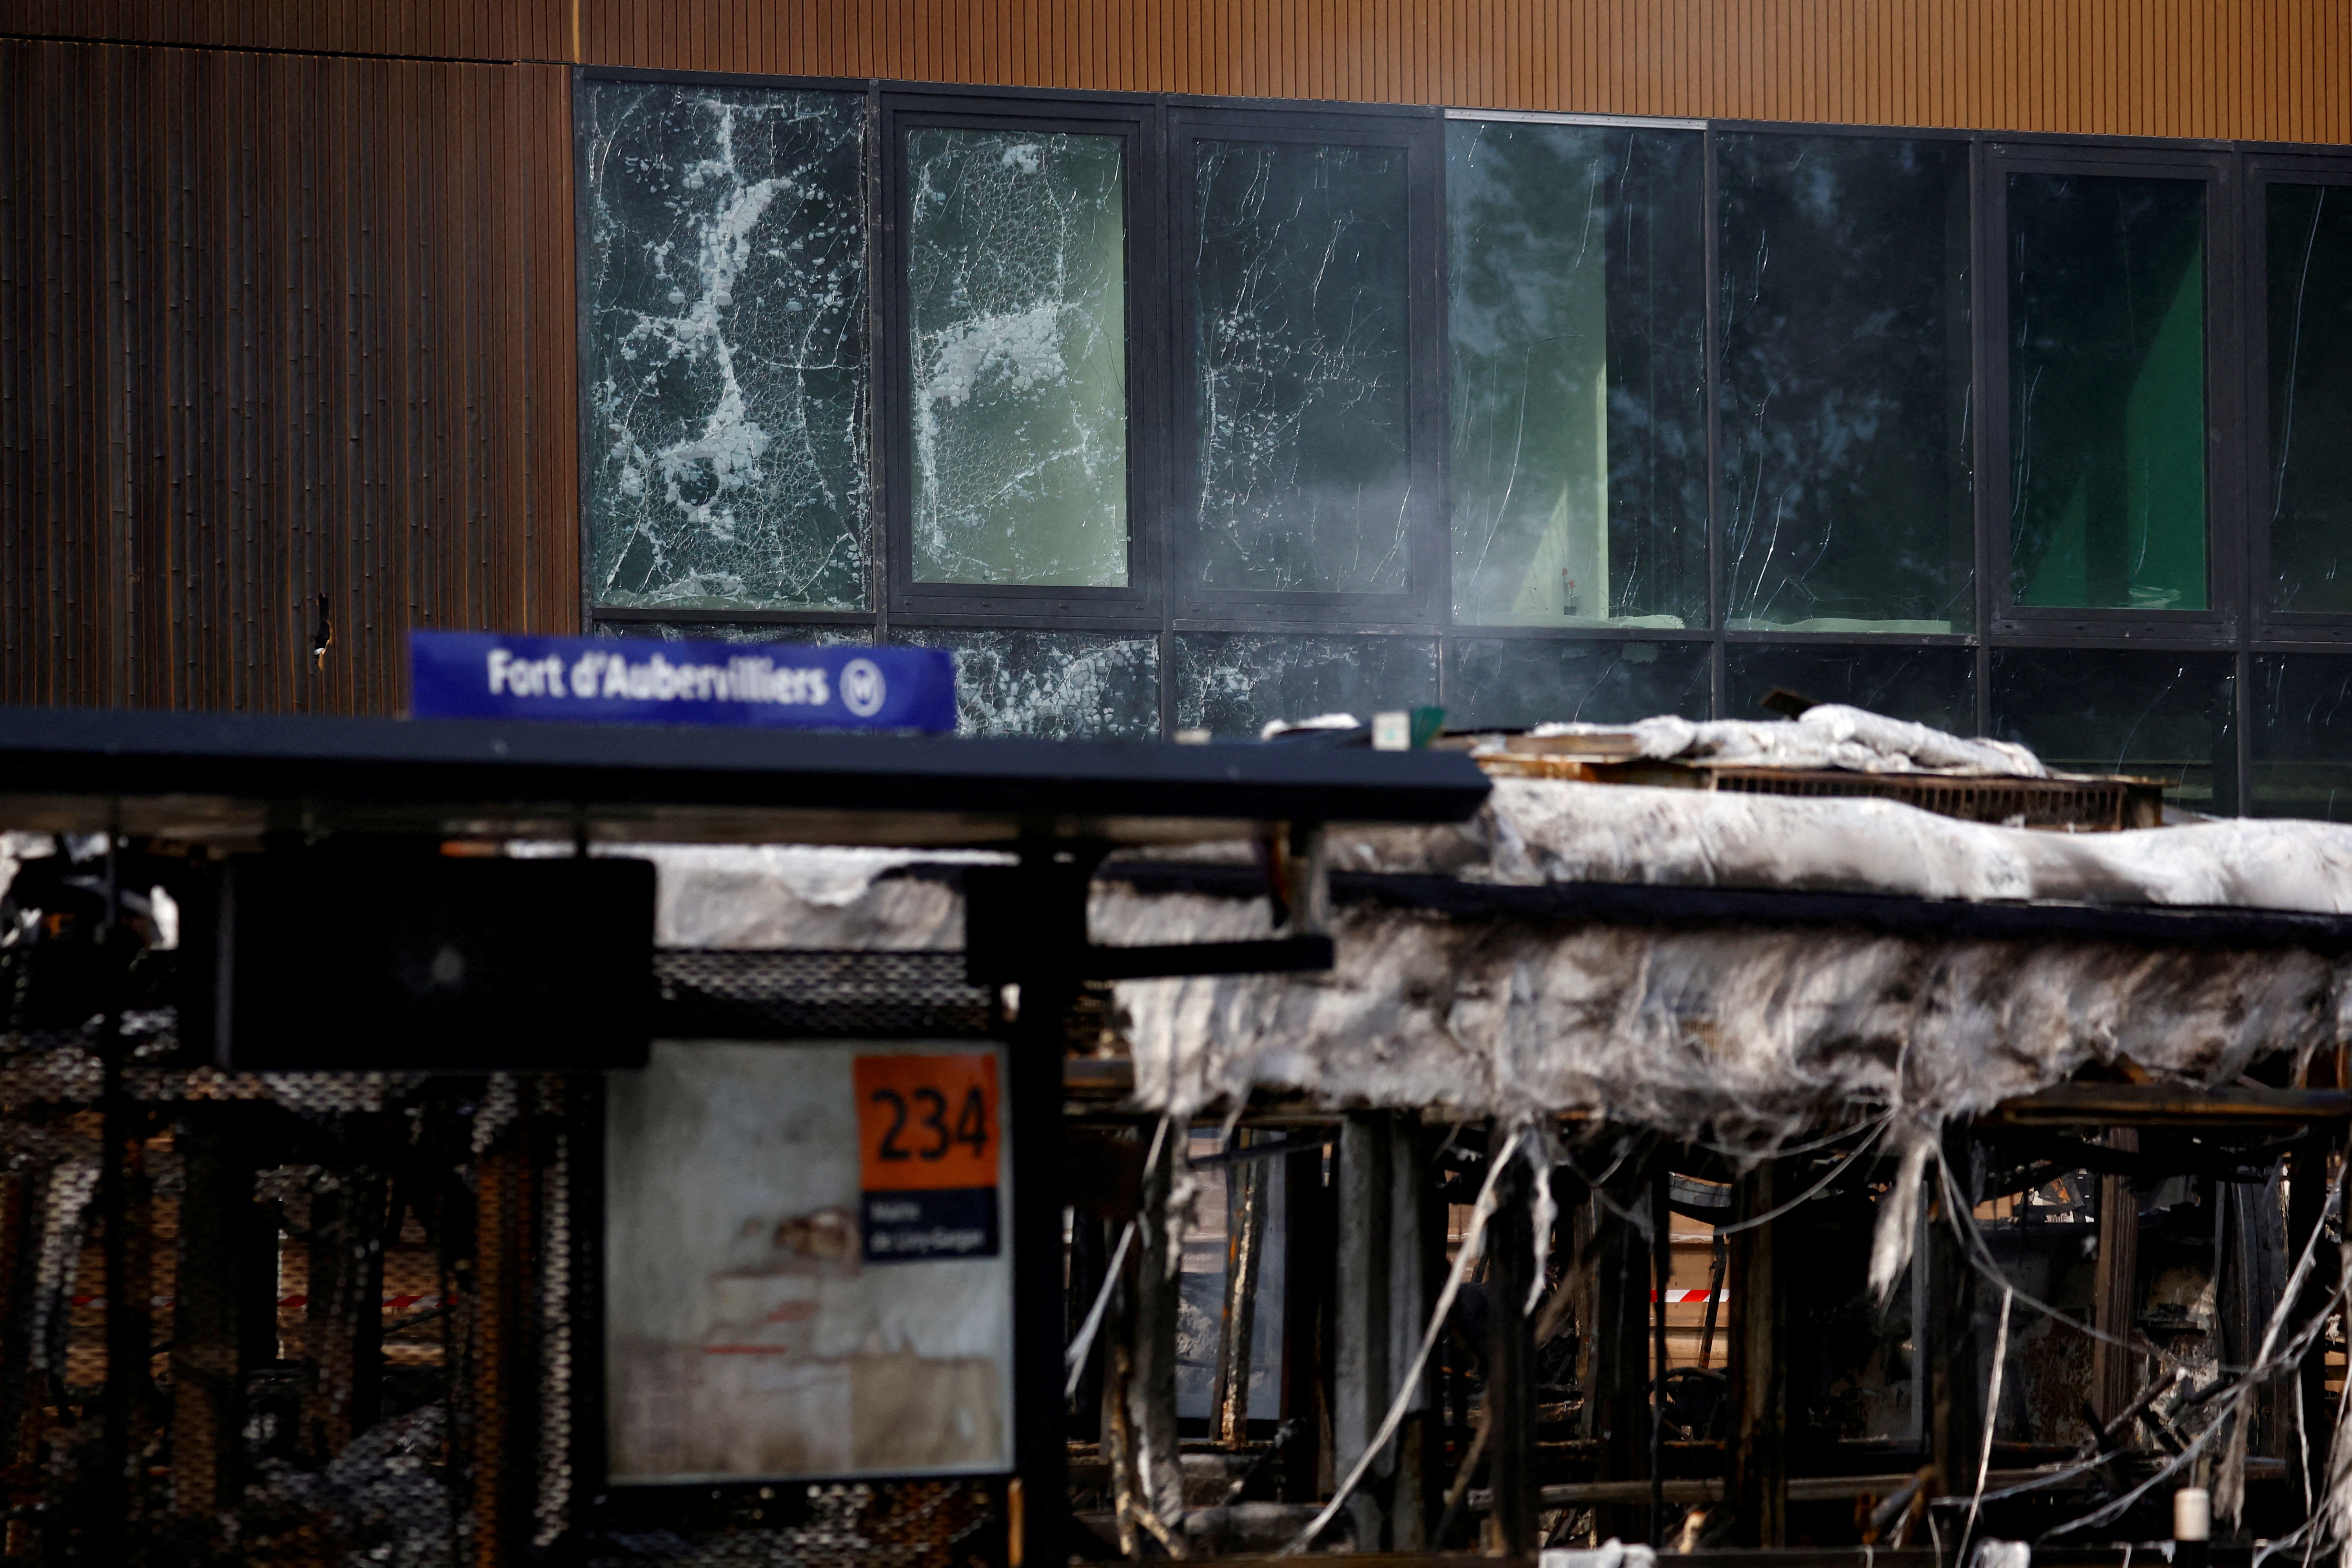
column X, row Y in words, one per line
column 1158, row 388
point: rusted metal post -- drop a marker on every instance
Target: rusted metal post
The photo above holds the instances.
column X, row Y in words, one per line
column 2306, row 1199
column 1661, row 1273
column 2115, row 1289
column 502, row 1377
column 1954, row 1381
column 1308, row 1265
column 343, row 1346
column 1361, row 1372
column 1617, row 1349
column 1245, row 1206
column 1510, row 1356
column 1757, row 1465
column 216, row 1211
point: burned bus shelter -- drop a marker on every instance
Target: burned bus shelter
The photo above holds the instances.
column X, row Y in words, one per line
column 1740, row 1138
column 311, row 1024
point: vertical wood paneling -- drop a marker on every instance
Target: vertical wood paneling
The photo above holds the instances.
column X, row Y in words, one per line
column 274, row 326
column 475, row 30
column 2252, row 69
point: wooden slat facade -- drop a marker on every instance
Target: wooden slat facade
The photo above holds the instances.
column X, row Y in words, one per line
column 274, row 326
column 423, row 29
column 2249, row 70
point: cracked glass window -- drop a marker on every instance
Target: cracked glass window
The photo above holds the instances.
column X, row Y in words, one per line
column 1576, row 324
column 2106, row 391
column 1234, row 683
column 1845, row 389
column 1060, row 684
column 724, row 297
column 2310, row 489
column 1933, row 686
column 2111, row 711
column 1016, row 292
column 2302, row 736
column 758, row 633
column 1516, row 683
column 1302, row 360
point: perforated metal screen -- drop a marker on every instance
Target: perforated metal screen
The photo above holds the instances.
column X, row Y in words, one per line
column 351, row 1319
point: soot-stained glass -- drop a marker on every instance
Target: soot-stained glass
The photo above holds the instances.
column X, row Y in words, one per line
column 2157, row 715
column 1302, row 359
column 1057, row 684
column 2310, row 362
column 1933, row 686
column 1845, row 390
column 2302, row 736
column 803, row 636
column 1232, row 684
column 1516, row 683
column 1016, row 293
column 725, row 363
column 2106, row 391
column 1576, row 326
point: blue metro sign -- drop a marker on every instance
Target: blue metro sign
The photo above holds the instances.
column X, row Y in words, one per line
column 492, row 675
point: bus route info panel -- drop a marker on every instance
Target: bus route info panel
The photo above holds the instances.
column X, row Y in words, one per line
column 806, row 1268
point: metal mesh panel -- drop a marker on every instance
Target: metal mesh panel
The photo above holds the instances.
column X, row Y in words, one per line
column 357, row 1318
column 784, row 995
column 2098, row 805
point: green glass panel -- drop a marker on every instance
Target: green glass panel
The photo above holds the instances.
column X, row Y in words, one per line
column 1016, row 290
column 1576, row 318
column 2310, row 305
column 2106, row 391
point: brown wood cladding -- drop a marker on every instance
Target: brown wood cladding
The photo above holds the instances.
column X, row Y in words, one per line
column 273, row 327
column 2249, row 70
column 434, row 29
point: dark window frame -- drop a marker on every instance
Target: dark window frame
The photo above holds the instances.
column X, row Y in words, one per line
column 1139, row 125
column 1156, row 601
column 1421, row 607
column 2218, row 625
column 2268, row 626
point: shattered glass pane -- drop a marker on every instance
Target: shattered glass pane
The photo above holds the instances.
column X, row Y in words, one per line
column 2310, row 489
column 2157, row 715
column 1016, row 286
column 1233, row 683
column 1061, row 684
column 1576, row 320
column 2302, row 736
column 1846, row 391
column 739, row 632
column 1935, row 686
column 2106, row 391
column 1299, row 329
column 1516, row 683
column 724, row 297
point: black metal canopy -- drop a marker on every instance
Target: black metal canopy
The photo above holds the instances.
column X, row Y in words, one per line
column 227, row 779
